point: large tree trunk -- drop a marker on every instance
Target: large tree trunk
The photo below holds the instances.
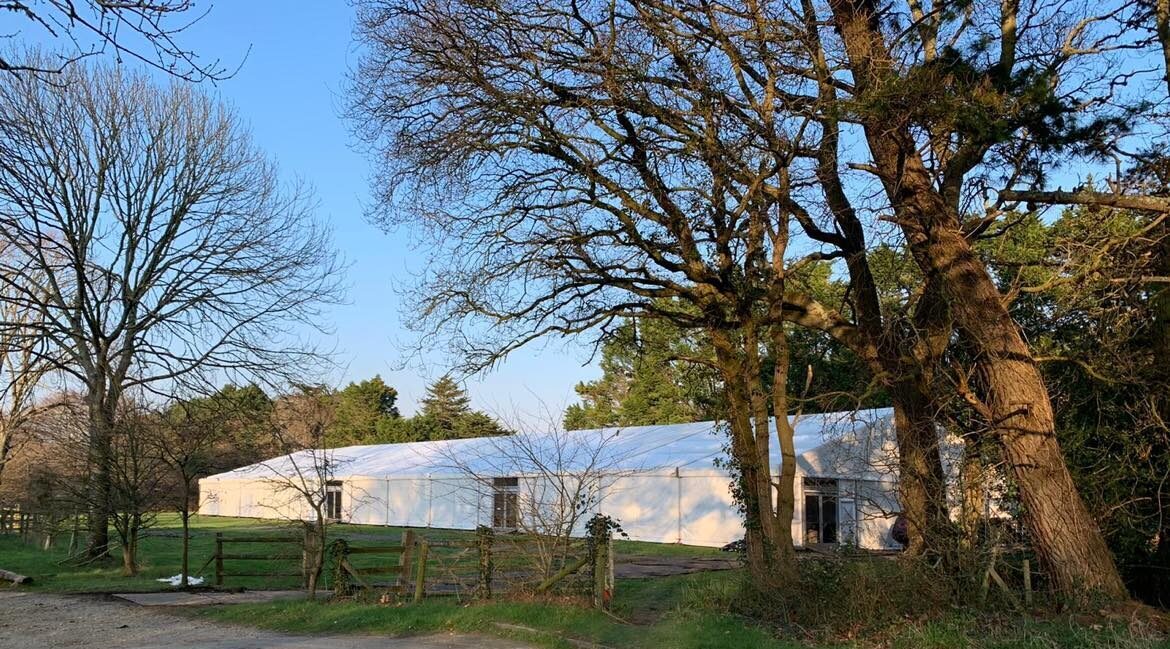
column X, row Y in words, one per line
column 785, row 435
column 1162, row 28
column 914, row 361
column 101, row 426
column 1013, row 398
column 973, row 485
column 922, row 487
column 770, row 554
column 904, row 360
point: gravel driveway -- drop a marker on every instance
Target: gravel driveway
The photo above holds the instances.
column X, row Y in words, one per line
column 42, row 621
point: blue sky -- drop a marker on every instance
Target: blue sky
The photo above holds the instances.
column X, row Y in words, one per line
column 290, row 91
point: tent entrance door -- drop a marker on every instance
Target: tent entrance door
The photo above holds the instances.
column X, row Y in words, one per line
column 820, row 512
column 506, row 504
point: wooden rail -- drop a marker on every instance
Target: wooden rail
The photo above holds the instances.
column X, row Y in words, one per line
column 221, row 556
column 363, row 575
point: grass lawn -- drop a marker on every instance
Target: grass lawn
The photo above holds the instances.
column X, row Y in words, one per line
column 160, row 552
column 680, row 619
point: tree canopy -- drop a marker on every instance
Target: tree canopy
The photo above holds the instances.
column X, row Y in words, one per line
column 445, row 413
column 362, row 411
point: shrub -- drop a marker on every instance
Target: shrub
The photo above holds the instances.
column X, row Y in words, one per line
column 850, row 596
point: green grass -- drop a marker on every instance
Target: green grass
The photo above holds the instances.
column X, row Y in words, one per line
column 159, row 556
column 680, row 628
column 552, row 623
column 642, row 548
column 160, row 551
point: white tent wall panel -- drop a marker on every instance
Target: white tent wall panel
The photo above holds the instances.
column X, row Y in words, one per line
column 877, row 507
column 458, row 503
column 252, row 499
column 364, row 501
column 211, row 499
column 454, row 503
column 646, row 506
column 707, row 514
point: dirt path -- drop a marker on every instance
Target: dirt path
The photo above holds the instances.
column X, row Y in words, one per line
column 42, row 621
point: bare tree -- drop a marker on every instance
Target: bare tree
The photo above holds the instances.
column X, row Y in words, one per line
column 170, row 252
column 571, row 186
column 188, row 434
column 300, row 479
column 623, row 174
column 147, row 31
column 138, row 478
column 25, row 363
column 560, row 480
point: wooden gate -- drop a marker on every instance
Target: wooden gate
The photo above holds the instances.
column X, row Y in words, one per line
column 356, row 566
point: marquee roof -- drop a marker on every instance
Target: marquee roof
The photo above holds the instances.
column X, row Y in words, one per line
column 692, row 447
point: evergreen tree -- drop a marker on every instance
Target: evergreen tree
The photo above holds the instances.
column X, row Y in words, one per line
column 1084, row 301
column 648, row 377
column 360, row 408
column 445, row 414
column 242, row 415
column 654, row 372
column 445, row 402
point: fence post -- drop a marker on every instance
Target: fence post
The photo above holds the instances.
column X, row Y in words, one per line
column 610, row 581
column 219, row 558
column 1027, row 582
column 308, row 555
column 404, row 559
column 600, row 545
column 601, row 597
column 74, row 528
column 484, row 536
column 420, row 574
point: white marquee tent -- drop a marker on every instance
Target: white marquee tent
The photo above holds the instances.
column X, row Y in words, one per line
column 663, row 483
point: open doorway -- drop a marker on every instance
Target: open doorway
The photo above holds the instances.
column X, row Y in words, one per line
column 506, row 504
column 821, row 524
column 333, row 500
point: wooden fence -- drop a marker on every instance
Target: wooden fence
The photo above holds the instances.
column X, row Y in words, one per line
column 490, row 563
column 41, row 528
column 224, row 553
column 482, row 566
column 347, row 570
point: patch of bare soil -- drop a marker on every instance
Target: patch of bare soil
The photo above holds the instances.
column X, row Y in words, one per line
column 38, row 621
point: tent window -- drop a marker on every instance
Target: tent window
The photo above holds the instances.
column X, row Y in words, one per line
column 505, row 503
column 820, row 511
column 333, row 500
